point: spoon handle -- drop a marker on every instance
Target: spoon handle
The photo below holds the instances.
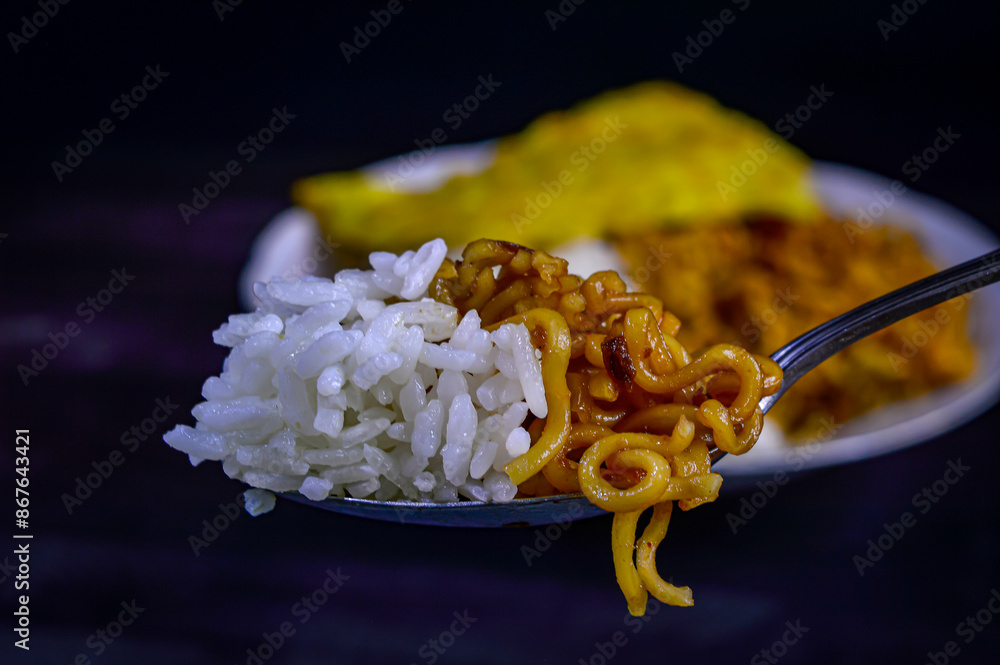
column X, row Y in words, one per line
column 807, row 351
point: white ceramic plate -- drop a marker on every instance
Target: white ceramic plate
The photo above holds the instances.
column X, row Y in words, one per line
column 291, row 245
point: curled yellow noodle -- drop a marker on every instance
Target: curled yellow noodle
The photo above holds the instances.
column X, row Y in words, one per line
column 642, row 415
column 623, row 552
column 555, row 361
column 645, row 559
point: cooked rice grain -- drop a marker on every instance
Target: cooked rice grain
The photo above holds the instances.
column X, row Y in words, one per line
column 331, row 390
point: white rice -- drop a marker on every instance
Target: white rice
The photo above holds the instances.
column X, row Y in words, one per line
column 329, row 390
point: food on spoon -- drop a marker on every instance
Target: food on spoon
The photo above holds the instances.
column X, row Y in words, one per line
column 514, row 378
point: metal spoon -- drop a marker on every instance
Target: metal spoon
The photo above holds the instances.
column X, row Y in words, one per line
column 795, row 358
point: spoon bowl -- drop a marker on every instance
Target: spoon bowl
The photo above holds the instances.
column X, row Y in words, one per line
column 536, row 511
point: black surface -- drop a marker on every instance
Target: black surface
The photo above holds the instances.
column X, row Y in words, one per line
column 130, row 540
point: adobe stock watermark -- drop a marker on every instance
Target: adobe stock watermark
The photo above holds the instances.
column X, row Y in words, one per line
column 580, row 159
column 898, row 17
column 302, row 610
column 759, row 324
column 223, row 7
column 563, row 11
column 913, row 168
column 248, row 150
column 322, row 251
column 968, row 629
column 22, row 583
column 212, row 528
column 7, row 570
column 918, row 339
column 656, row 259
column 363, row 35
column 696, row 44
column 454, row 116
column 795, row 459
column 544, row 538
column 786, row 126
column 929, row 329
column 605, row 652
column 431, row 650
column 85, row 486
column 32, row 23
column 922, row 501
column 779, row 648
column 86, row 311
column 121, row 107
column 101, row 639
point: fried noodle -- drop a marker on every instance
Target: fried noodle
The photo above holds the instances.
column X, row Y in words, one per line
column 632, row 418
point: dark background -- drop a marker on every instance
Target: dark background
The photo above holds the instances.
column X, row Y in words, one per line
column 129, row 540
